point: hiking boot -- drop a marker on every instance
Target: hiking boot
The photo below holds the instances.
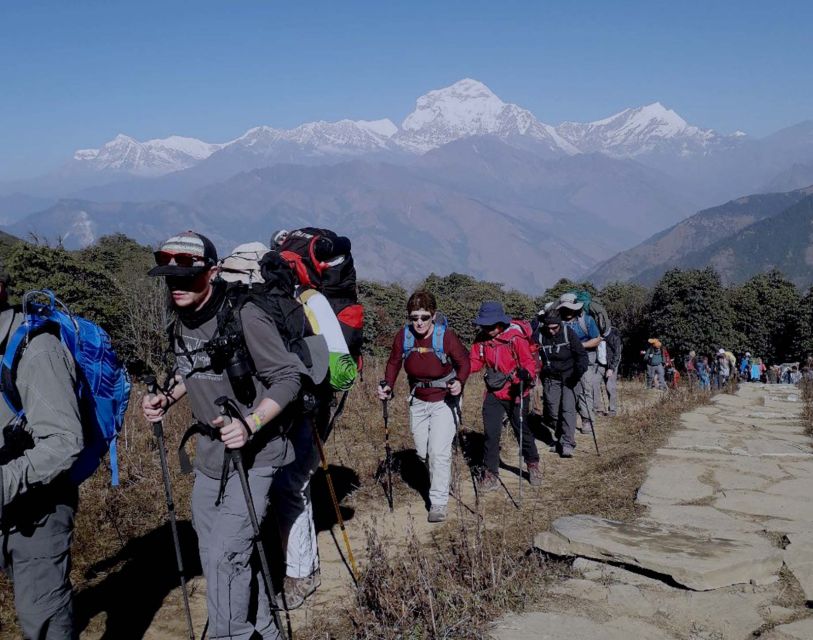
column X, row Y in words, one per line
column 567, row 452
column 554, row 448
column 587, row 427
column 534, row 474
column 612, row 414
column 488, row 482
column 437, row 513
column 296, row 590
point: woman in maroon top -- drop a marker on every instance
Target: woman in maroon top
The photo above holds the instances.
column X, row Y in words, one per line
column 437, row 365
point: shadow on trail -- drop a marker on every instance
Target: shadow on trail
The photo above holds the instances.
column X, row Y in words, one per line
column 133, row 595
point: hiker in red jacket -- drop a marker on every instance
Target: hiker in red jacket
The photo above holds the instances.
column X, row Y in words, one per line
column 502, row 348
column 437, row 365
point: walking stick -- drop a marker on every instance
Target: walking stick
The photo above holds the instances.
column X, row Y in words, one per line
column 458, row 421
column 521, row 425
column 388, row 451
column 158, row 432
column 595, row 440
column 354, row 573
column 228, row 411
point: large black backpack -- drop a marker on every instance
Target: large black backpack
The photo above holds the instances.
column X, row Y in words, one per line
column 322, row 260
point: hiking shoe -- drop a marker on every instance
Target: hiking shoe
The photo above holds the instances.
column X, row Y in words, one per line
column 554, row 448
column 587, row 427
column 437, row 513
column 297, row 589
column 567, row 452
column 534, row 474
column 611, row 414
column 488, row 482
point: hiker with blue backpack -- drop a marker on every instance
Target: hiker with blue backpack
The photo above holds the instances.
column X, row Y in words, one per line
column 437, row 365
column 58, row 420
column 243, row 389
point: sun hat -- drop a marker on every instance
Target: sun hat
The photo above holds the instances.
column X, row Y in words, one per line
column 490, row 313
column 569, row 301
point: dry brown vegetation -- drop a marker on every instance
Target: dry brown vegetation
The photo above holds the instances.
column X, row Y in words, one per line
column 473, row 569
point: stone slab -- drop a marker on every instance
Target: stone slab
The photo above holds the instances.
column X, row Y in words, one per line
column 798, row 556
column 799, row 630
column 691, row 557
column 702, row 517
column 756, row 503
column 674, row 482
column 555, row 626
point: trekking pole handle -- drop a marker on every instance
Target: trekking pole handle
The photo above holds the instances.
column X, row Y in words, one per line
column 152, row 385
column 382, row 384
column 223, row 403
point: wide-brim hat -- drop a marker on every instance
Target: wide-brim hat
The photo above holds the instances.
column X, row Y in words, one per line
column 490, row 313
column 569, row 301
column 187, row 243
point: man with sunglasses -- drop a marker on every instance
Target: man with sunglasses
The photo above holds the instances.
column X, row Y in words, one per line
column 238, row 606
column 437, row 366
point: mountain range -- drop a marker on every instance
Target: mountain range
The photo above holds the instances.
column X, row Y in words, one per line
column 464, row 182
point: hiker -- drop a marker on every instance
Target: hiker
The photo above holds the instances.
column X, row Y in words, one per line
column 690, row 367
column 722, row 369
column 437, row 366
column 503, row 349
column 586, row 329
column 795, row 375
column 703, row 372
column 608, row 369
column 220, row 515
column 656, row 358
column 564, row 363
column 39, row 500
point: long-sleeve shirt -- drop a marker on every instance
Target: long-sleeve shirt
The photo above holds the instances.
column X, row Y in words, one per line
column 46, row 381
column 423, row 365
column 507, row 353
column 277, row 377
column 563, row 355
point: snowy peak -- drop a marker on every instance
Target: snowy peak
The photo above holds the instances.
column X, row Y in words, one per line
column 468, row 108
column 637, row 131
column 150, row 158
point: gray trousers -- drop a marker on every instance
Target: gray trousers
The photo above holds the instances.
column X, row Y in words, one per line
column 653, row 370
column 584, row 391
column 560, row 411
column 235, row 592
column 611, row 383
column 38, row 560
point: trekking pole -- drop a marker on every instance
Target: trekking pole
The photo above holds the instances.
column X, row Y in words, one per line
column 521, row 425
column 354, row 573
column 388, row 451
column 236, row 455
column 595, row 440
column 457, row 414
column 158, row 432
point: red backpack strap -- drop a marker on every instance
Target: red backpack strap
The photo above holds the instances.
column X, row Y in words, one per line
column 319, row 266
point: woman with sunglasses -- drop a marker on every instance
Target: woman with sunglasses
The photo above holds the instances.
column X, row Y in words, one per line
column 437, row 365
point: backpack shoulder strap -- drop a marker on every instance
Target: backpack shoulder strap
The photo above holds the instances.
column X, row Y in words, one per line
column 438, row 334
column 583, row 323
column 8, row 369
column 409, row 342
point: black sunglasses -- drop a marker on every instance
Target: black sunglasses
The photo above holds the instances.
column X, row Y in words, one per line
column 186, row 260
column 420, row 317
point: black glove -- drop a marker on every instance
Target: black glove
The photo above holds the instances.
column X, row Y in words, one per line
column 524, row 375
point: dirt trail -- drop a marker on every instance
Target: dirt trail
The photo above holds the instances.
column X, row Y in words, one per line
column 396, row 529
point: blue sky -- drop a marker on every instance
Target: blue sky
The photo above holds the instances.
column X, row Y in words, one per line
column 75, row 73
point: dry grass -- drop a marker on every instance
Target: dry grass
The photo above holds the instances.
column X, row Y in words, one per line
column 471, row 570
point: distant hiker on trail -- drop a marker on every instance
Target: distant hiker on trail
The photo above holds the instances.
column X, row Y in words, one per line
column 437, row 366
column 722, row 369
column 656, row 357
column 564, row 361
column 264, row 396
column 690, row 367
column 503, row 349
column 608, row 370
column 745, row 367
column 39, row 500
column 586, row 329
column 703, row 372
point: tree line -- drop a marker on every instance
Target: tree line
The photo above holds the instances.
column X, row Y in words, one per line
column 687, row 309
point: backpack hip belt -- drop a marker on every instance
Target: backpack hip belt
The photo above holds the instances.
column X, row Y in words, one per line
column 440, row 383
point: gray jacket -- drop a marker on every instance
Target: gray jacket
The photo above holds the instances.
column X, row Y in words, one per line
column 278, row 378
column 46, row 380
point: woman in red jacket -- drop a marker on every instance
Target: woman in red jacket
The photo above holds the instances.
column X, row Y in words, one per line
column 437, row 365
column 503, row 349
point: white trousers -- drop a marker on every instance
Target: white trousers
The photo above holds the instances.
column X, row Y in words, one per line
column 433, row 429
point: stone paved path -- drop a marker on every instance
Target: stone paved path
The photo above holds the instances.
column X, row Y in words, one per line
column 726, row 539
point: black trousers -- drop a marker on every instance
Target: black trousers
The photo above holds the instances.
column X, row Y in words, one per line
column 493, row 412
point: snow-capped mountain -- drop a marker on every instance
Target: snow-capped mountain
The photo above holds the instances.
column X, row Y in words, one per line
column 151, row 158
column 634, row 132
column 470, row 108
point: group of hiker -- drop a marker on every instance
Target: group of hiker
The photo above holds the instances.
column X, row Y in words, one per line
column 265, row 346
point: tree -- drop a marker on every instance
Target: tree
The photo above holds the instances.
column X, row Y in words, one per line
column 765, row 309
column 627, row 305
column 689, row 310
column 384, row 314
column 801, row 328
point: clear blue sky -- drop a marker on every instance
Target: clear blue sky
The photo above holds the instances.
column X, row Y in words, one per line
column 74, row 73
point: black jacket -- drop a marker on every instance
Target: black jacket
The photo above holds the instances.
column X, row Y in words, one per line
column 563, row 355
column 613, row 340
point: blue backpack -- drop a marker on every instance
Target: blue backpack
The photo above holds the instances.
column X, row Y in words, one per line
column 437, row 339
column 103, row 384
